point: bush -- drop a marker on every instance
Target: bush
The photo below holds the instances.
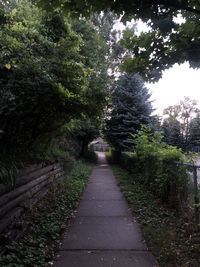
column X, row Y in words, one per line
column 153, row 163
column 91, row 156
column 113, row 156
column 42, row 80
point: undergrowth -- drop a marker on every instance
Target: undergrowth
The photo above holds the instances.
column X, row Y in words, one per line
column 47, row 222
column 173, row 240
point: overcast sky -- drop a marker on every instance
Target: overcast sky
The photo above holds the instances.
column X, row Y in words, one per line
column 176, row 83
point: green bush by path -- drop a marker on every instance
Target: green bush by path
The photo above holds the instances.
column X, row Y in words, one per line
column 157, row 168
column 153, row 163
column 173, row 240
column 47, row 222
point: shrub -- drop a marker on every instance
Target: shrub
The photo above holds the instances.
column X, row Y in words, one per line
column 91, row 156
column 153, row 163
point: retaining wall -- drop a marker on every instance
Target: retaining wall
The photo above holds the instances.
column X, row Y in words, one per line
column 32, row 184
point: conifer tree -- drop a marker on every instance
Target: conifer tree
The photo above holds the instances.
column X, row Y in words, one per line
column 130, row 108
column 194, row 132
column 171, row 128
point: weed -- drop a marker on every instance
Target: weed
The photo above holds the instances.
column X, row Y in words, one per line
column 47, row 222
column 173, row 240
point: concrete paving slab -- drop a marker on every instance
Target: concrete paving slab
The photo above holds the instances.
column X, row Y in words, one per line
column 103, row 208
column 102, row 173
column 102, row 195
column 104, row 232
column 105, row 259
column 104, row 180
column 102, row 186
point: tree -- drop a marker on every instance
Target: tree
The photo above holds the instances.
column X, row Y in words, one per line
column 43, row 80
column 95, row 54
column 157, row 50
column 84, row 131
column 171, row 129
column 166, row 43
column 155, row 123
column 141, row 9
column 194, row 131
column 104, row 23
column 183, row 112
column 130, row 108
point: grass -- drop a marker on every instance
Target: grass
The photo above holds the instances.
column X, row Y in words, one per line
column 47, row 222
column 174, row 241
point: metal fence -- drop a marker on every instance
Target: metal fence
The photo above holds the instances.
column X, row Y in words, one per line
column 193, row 168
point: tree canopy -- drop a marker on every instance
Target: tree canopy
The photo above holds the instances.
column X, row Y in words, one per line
column 178, row 122
column 53, row 70
column 56, row 57
column 140, row 9
column 167, row 42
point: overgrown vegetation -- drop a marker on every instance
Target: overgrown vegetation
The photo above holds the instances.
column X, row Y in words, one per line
column 53, row 83
column 153, row 164
column 172, row 35
column 56, row 57
column 47, row 221
column 173, row 240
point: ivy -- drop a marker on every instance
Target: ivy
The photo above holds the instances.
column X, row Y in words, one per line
column 47, row 221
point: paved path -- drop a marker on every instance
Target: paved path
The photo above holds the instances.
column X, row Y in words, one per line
column 103, row 233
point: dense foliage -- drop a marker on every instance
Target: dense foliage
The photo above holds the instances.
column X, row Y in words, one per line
column 173, row 240
column 129, row 109
column 171, row 128
column 153, row 164
column 178, row 125
column 53, row 70
column 42, row 77
column 173, row 35
column 194, row 132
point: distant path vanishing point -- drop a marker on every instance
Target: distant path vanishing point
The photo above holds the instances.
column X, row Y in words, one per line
column 103, row 233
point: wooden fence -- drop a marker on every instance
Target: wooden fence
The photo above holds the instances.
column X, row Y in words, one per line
column 32, row 184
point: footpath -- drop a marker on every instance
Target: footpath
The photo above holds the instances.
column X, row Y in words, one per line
column 103, row 233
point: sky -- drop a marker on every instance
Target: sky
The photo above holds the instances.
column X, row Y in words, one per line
column 177, row 82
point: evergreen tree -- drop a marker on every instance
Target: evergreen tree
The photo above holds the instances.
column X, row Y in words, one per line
column 182, row 114
column 130, row 108
column 171, row 128
column 194, row 130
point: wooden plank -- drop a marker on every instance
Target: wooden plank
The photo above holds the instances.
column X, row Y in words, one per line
column 30, row 168
column 13, row 194
column 29, row 176
column 22, row 193
column 20, row 174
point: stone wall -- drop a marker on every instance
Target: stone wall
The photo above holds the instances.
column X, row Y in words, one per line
column 32, row 184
